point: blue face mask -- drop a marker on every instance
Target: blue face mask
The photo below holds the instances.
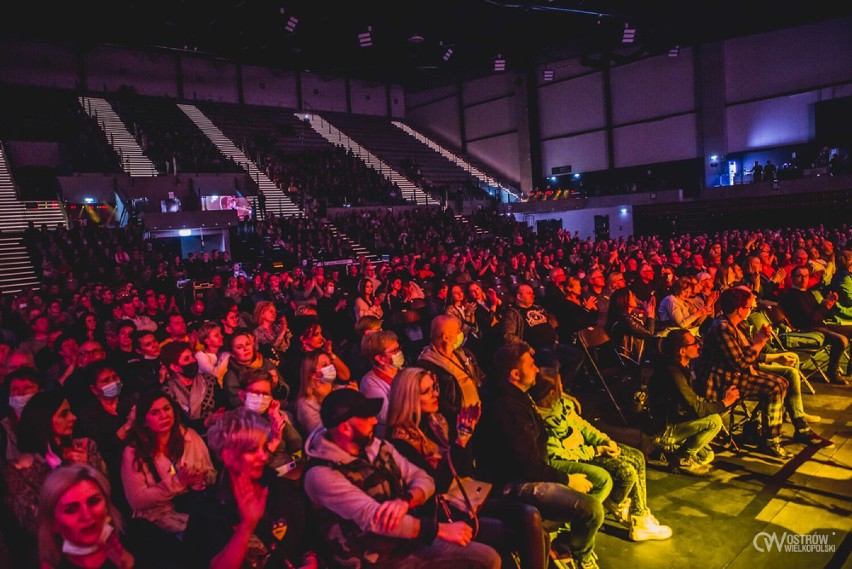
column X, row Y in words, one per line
column 111, row 390
column 18, row 402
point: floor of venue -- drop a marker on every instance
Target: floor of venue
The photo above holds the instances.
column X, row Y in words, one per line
column 747, row 501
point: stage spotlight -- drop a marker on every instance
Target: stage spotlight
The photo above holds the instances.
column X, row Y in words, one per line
column 448, row 54
column 499, row 63
column 290, row 27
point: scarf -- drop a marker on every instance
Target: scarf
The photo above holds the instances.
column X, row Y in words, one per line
column 190, row 399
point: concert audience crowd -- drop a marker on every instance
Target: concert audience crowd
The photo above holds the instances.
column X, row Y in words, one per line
column 393, row 413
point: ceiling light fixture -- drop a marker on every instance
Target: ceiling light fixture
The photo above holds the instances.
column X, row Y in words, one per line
column 629, row 34
column 290, row 27
column 548, row 75
column 448, row 54
column 675, row 51
column 499, row 63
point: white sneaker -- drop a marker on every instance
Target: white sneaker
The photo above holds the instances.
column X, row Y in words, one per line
column 621, row 512
column 647, row 527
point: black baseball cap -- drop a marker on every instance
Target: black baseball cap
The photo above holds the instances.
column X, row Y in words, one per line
column 342, row 404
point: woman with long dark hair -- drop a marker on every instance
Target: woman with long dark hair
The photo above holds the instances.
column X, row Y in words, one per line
column 163, row 468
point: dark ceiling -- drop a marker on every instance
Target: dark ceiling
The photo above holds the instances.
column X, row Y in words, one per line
column 410, row 38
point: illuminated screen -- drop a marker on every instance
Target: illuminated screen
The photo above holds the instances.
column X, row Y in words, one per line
column 218, row 203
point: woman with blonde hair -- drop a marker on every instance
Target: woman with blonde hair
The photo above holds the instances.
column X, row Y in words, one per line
column 78, row 525
column 316, row 380
column 422, row 435
column 271, row 337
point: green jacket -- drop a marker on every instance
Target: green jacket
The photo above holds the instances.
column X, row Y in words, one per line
column 570, row 437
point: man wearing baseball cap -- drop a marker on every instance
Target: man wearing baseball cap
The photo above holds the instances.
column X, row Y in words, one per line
column 364, row 490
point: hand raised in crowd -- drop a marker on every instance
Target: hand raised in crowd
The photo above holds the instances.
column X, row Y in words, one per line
column 591, row 303
column 78, row 452
column 190, row 476
column 651, row 307
column 251, row 501
column 466, row 422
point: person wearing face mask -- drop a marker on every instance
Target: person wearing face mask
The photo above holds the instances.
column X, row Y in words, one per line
column 245, row 357
column 78, row 524
column 23, row 383
column 384, row 351
column 284, row 445
column 458, row 373
column 317, row 380
column 108, row 418
column 197, row 394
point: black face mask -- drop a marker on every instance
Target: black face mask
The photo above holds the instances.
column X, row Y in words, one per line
column 190, row 370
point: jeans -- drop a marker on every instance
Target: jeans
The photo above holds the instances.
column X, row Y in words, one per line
column 560, row 503
column 510, row 525
column 691, row 436
column 628, row 477
column 442, row 554
column 597, row 475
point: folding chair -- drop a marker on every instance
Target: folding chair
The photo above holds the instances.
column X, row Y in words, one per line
column 593, row 339
column 807, row 345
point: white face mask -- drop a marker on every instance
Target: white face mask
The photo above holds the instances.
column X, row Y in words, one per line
column 257, row 402
column 111, row 390
column 328, row 373
column 459, row 341
column 70, row 548
column 18, row 402
column 397, row 360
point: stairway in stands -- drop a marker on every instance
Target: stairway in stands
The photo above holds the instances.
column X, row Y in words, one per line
column 410, row 192
column 478, row 232
column 133, row 161
column 483, row 178
column 276, row 200
column 16, row 269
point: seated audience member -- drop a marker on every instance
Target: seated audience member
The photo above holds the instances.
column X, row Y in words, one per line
column 317, row 380
column 462, row 310
column 383, row 349
column 22, row 384
column 78, row 524
column 366, row 303
column 45, row 442
column 422, row 435
column 285, row 442
column 175, row 329
column 628, row 325
column 124, row 354
column 311, row 339
column 363, row 519
column 358, row 363
column 510, row 448
column 108, row 417
column 730, row 358
column 806, row 313
column 616, row 470
column 675, row 310
column 249, row 517
column 525, row 321
column 272, row 335
column 212, row 359
column 841, row 284
column 459, row 375
column 76, row 385
column 245, row 357
column 164, row 468
column 196, row 394
column 684, row 423
column 148, row 372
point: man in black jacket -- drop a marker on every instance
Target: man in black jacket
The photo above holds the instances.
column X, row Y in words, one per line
column 805, row 313
column 509, row 445
column 682, row 419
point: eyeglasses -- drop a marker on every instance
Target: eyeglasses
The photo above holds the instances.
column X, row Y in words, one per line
column 431, row 389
